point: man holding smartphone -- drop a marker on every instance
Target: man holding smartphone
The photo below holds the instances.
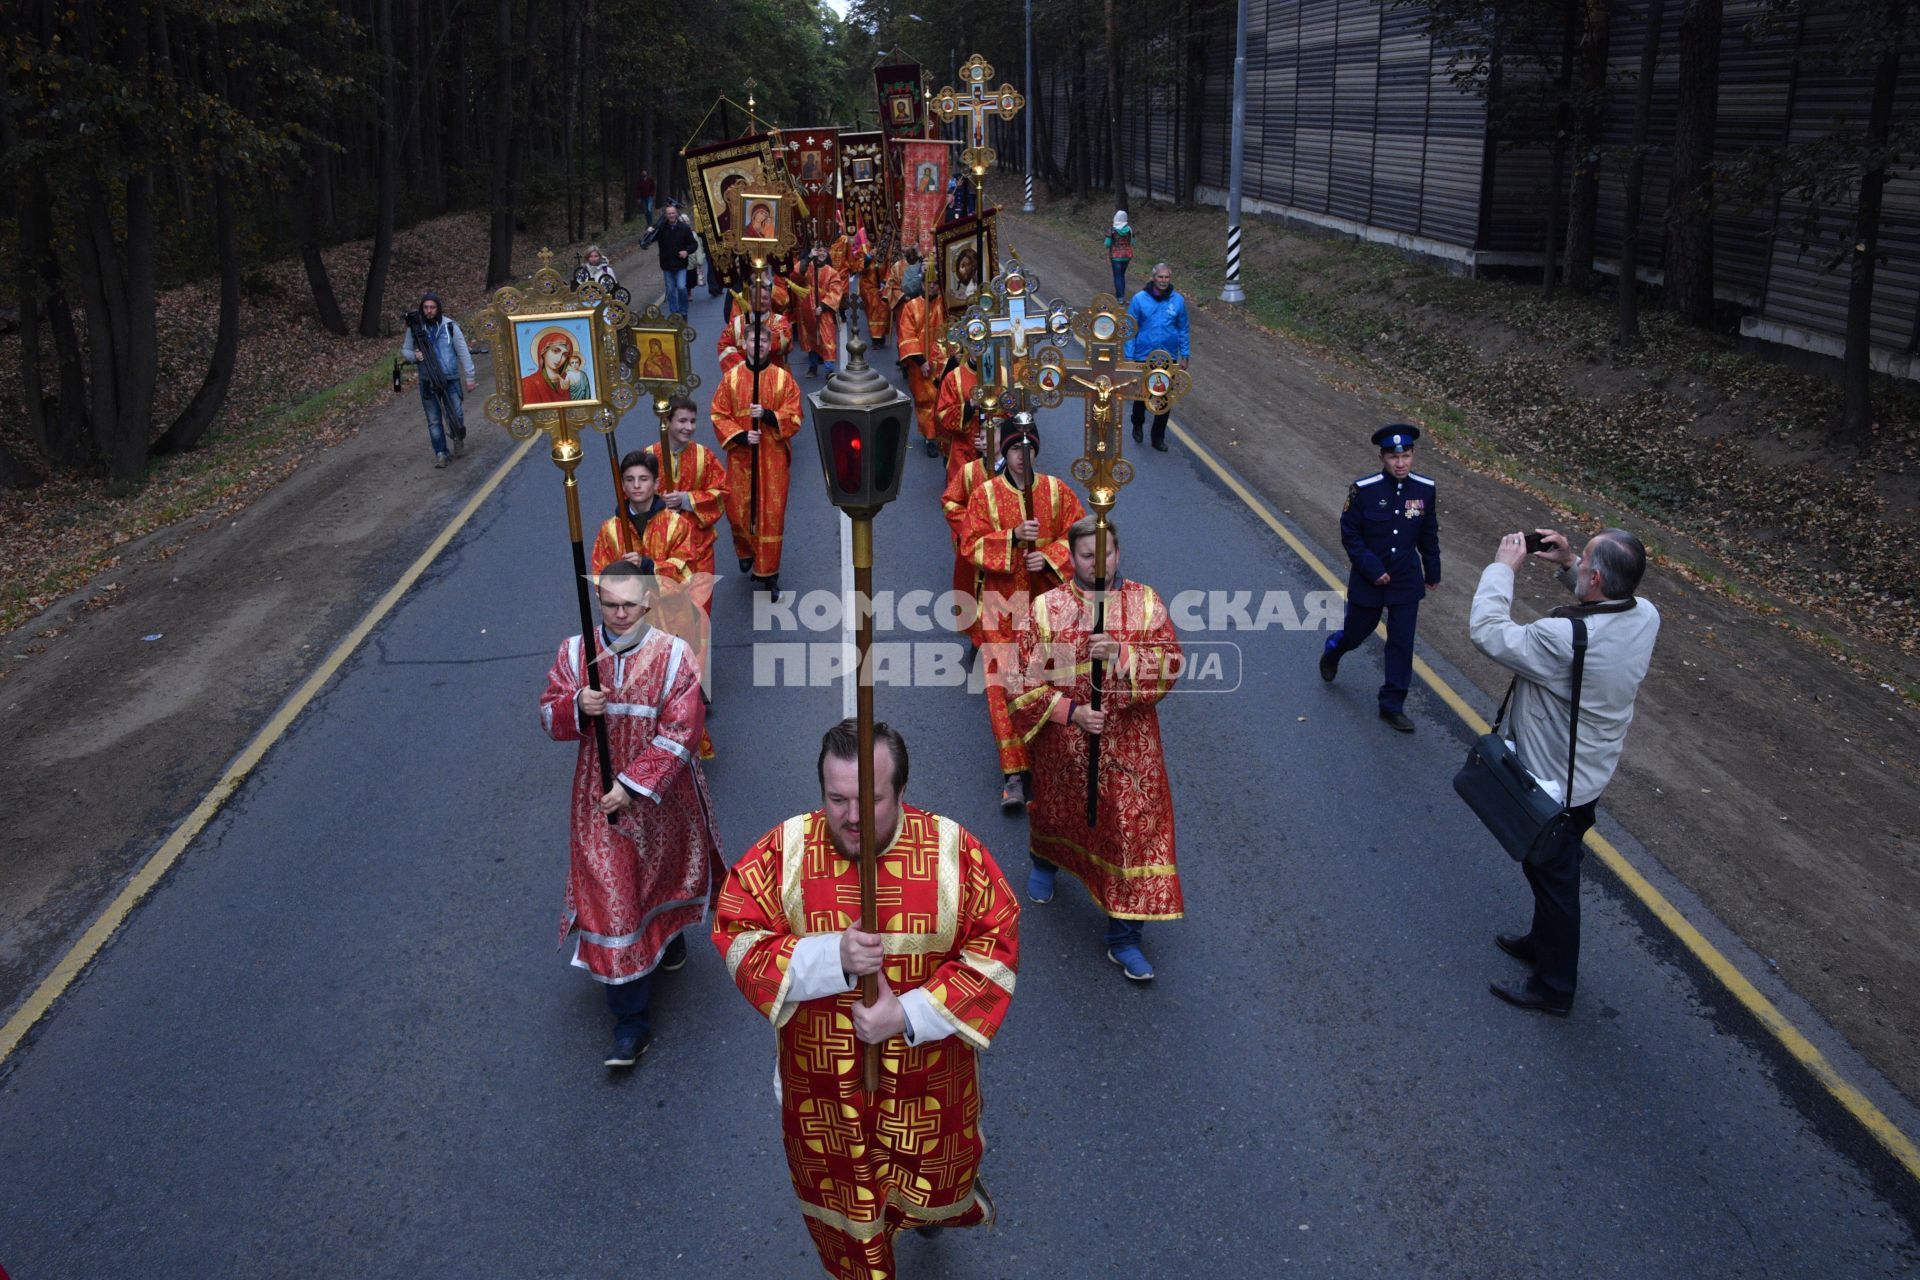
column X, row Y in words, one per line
column 1391, row 530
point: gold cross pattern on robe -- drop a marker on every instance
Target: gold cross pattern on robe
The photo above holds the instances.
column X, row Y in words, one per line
column 976, row 101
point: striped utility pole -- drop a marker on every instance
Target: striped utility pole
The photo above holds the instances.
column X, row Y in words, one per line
column 1236, row 164
column 1028, row 206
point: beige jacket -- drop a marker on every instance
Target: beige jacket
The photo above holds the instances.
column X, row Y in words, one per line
column 1619, row 649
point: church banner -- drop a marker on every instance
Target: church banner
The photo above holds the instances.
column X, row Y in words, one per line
column 926, row 165
column 812, row 158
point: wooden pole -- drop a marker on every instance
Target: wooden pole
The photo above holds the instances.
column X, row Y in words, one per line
column 589, row 651
column 863, row 685
column 1099, row 667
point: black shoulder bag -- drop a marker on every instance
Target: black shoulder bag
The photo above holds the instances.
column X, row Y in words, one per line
column 1528, row 823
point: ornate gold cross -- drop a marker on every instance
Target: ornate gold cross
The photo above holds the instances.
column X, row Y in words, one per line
column 977, row 102
column 996, row 331
column 1105, row 379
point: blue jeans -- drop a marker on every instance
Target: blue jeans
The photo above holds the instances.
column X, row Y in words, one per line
column 676, row 290
column 1120, row 278
column 1122, row 933
column 438, row 420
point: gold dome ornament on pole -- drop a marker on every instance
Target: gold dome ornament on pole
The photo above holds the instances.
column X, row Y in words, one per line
column 860, row 423
column 557, row 369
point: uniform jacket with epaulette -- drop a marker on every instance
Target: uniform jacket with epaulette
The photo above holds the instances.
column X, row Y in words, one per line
column 1391, row 526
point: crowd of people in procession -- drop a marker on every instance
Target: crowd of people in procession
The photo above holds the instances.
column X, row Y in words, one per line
column 647, row 868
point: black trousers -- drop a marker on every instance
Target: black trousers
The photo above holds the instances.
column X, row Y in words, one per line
column 1556, row 908
column 1159, row 421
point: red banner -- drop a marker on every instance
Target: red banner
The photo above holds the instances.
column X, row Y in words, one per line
column 925, row 168
column 812, row 159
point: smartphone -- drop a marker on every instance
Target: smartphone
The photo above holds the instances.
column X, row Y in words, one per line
column 1536, row 542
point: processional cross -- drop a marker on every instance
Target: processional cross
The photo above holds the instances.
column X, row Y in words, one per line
column 1001, row 330
column 1104, row 379
column 976, row 103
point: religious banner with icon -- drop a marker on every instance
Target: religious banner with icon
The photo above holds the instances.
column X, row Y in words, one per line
column 927, row 165
column 714, row 173
column 812, row 159
column 862, row 194
column 902, row 117
column 955, row 268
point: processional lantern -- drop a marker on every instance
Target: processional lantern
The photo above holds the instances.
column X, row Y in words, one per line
column 861, row 424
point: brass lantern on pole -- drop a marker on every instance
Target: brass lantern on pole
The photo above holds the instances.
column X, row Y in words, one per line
column 860, row 423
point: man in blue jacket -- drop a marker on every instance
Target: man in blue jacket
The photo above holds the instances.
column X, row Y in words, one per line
column 1391, row 531
column 1160, row 324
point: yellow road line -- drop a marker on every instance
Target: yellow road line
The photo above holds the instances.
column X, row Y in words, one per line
column 1791, row 1038
column 81, row 954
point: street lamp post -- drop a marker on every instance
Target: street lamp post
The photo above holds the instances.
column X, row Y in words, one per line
column 1237, row 164
column 1028, row 206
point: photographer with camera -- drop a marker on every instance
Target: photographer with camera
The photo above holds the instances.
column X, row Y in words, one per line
column 1590, row 655
column 436, row 343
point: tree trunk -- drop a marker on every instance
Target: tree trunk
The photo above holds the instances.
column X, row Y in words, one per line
column 388, row 178
column 1561, row 124
column 1083, row 166
column 1689, row 256
column 15, row 473
column 1856, row 362
column 1628, row 294
column 1590, row 125
column 324, row 302
column 57, row 424
column 207, row 401
column 500, row 185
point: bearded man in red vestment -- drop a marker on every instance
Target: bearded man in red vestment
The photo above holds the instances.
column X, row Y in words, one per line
column 636, row 884
column 1126, row 860
column 865, row 1166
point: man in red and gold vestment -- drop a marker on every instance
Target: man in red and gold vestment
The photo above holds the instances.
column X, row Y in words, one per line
column 866, row 1166
column 636, row 884
column 740, row 422
column 1127, row 860
column 1015, row 534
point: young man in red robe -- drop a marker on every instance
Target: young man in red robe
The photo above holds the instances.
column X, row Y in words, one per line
column 697, row 489
column 742, row 422
column 829, row 292
column 919, row 352
column 961, row 482
column 787, row 923
column 635, row 884
column 955, row 414
column 658, row 540
column 1126, row 860
column 1015, row 534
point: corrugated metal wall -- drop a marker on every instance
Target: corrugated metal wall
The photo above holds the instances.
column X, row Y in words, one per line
column 1352, row 115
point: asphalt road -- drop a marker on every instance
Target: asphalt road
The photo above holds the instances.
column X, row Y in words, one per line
column 339, row 1040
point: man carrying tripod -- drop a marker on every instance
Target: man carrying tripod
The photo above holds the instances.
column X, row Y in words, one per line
column 435, row 343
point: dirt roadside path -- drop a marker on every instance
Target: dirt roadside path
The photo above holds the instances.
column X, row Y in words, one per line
column 113, row 738
column 1774, row 783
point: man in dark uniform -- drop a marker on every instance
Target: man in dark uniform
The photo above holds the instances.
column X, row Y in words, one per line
column 1391, row 531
